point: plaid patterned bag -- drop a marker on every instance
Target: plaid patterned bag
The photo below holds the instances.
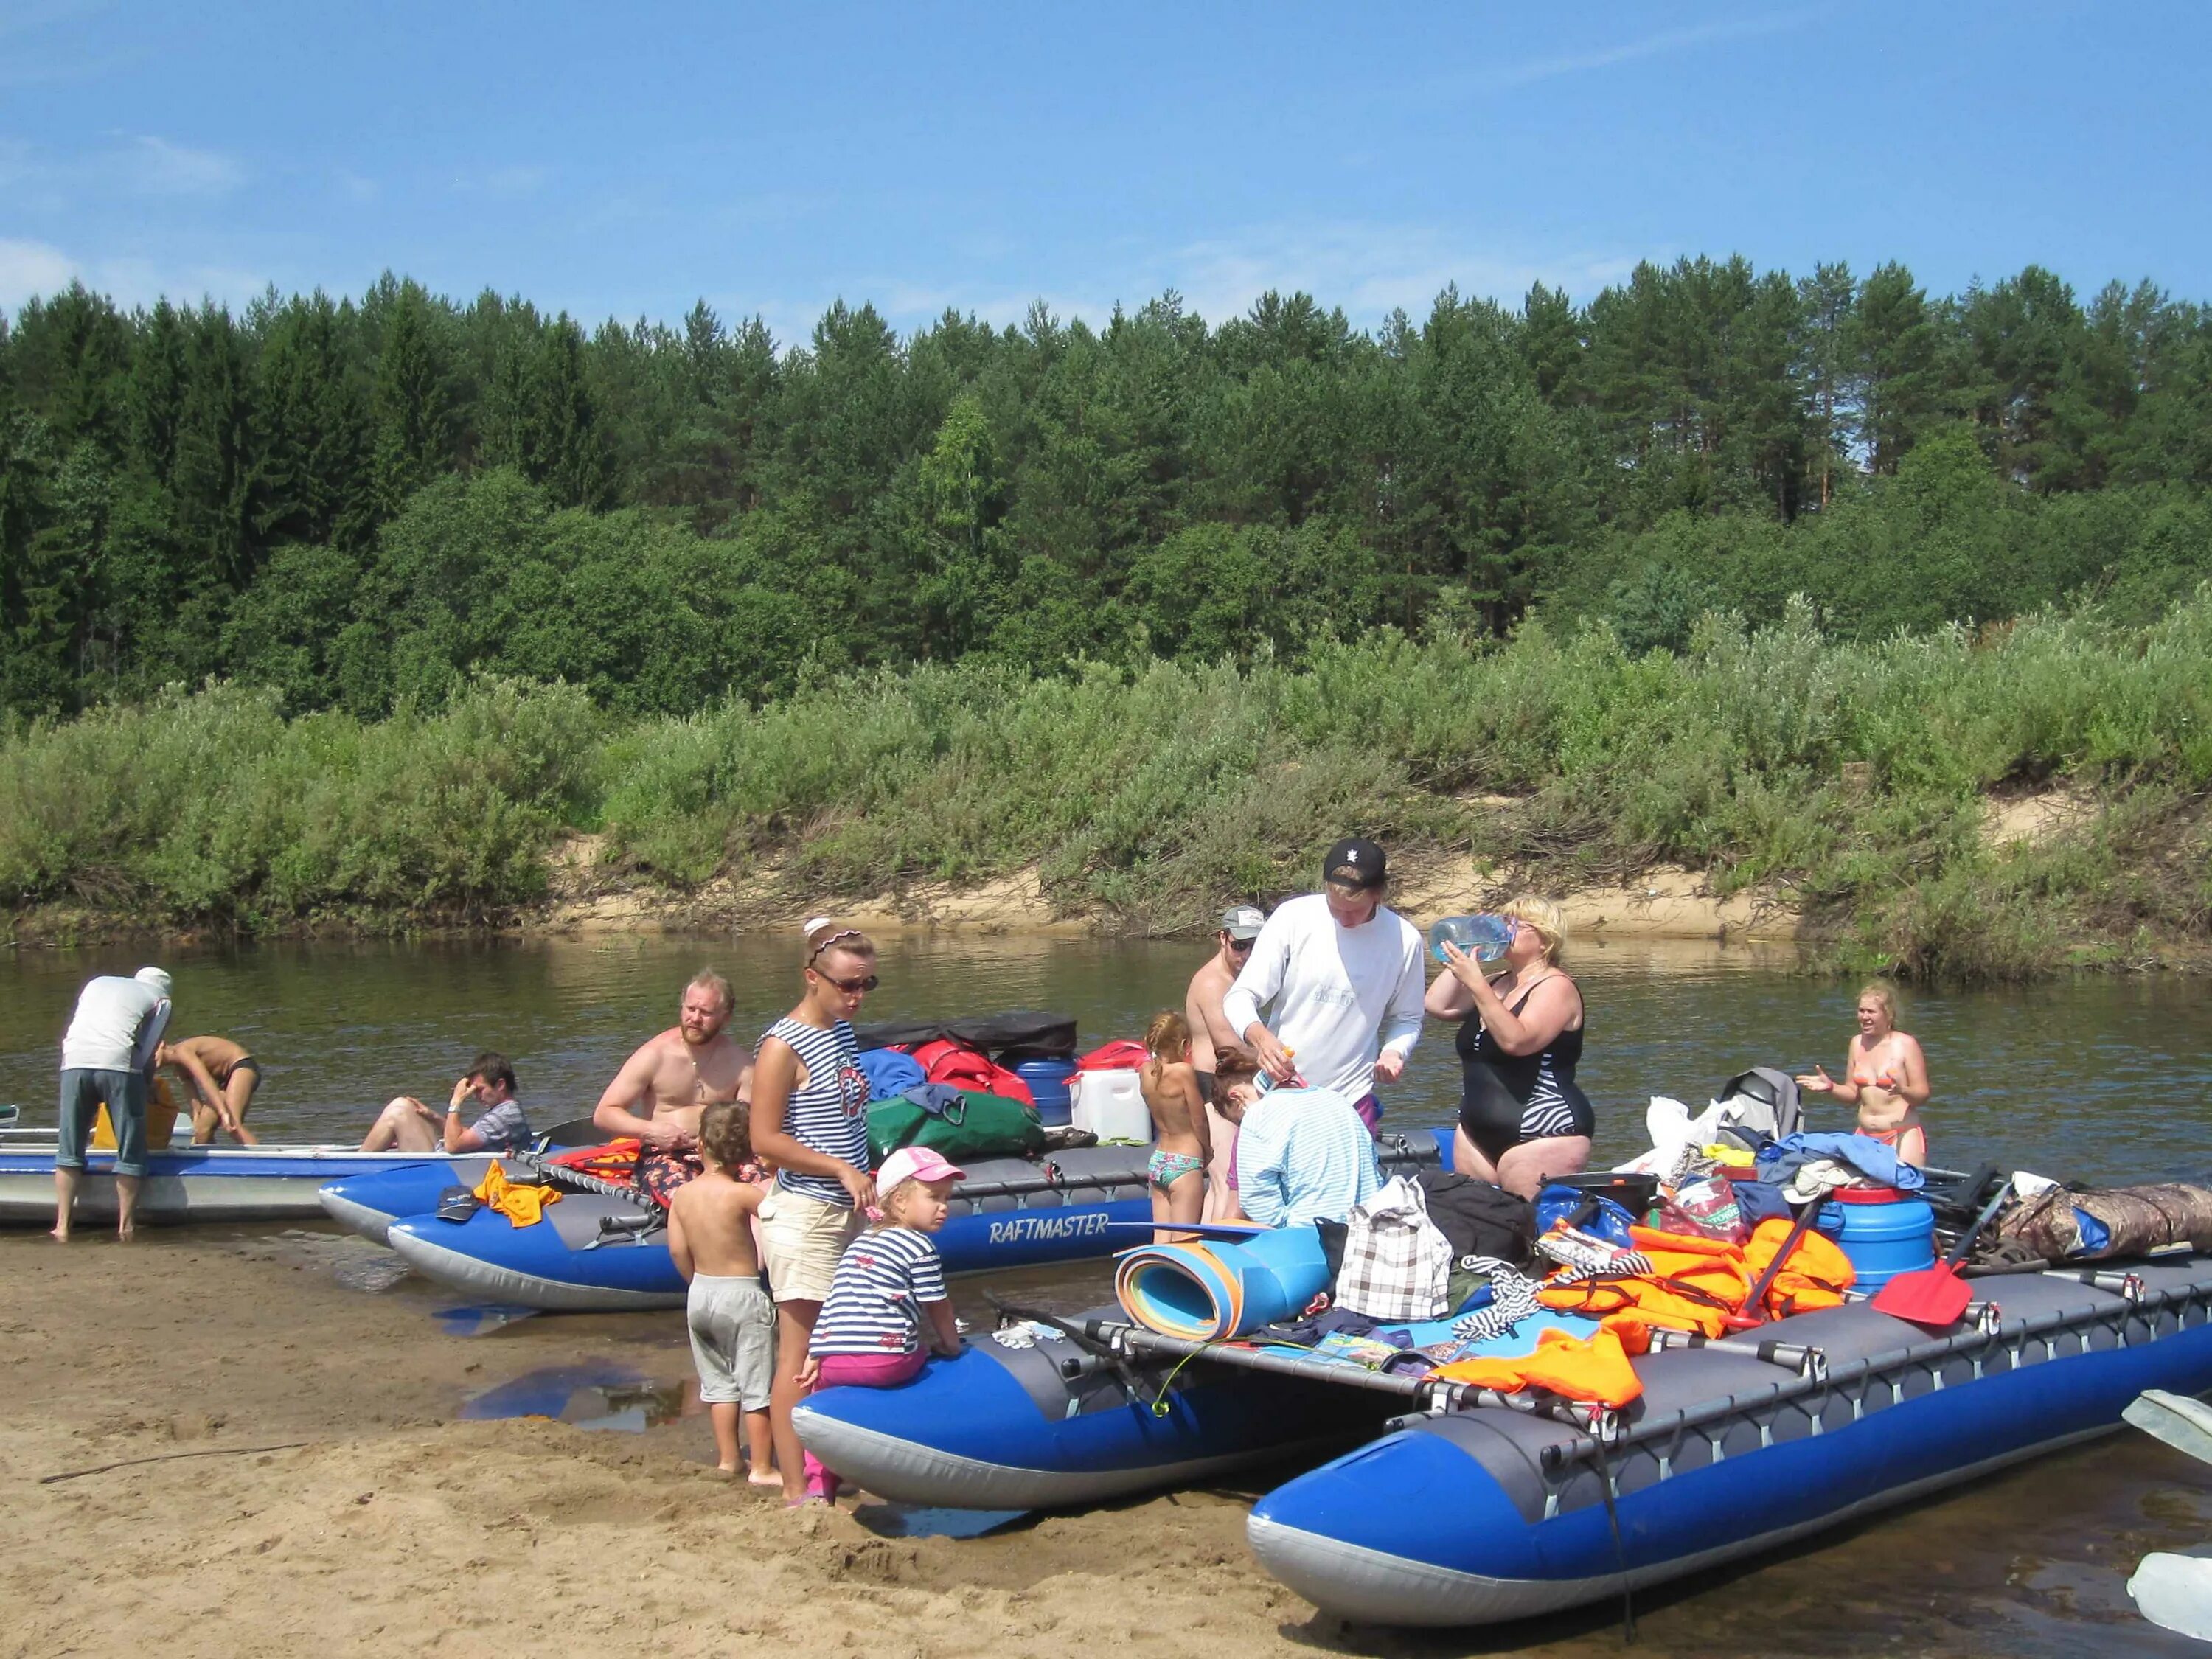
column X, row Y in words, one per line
column 1397, row 1263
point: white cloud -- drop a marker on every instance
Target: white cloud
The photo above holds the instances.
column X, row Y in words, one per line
column 130, row 164
column 160, row 166
column 1368, row 270
column 31, row 268
column 1510, row 77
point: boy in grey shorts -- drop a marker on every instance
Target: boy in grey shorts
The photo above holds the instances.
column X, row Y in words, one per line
column 733, row 1322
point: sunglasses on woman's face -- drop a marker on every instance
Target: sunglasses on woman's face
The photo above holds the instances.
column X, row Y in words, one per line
column 851, row 988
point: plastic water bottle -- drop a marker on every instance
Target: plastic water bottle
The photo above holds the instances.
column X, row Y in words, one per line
column 1485, row 937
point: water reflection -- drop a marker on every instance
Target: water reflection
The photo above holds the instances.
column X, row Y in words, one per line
column 597, row 1394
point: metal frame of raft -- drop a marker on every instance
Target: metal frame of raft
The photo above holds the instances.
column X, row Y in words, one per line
column 1932, row 1358
column 1498, row 1520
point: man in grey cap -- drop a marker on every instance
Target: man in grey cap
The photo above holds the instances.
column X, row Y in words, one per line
column 1209, row 1028
column 107, row 1055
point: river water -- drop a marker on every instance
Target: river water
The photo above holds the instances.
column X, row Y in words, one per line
column 2100, row 1080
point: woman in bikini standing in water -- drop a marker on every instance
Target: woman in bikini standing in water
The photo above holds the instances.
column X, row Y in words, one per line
column 1886, row 1077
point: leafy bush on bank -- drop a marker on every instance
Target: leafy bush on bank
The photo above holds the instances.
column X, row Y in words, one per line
column 1847, row 776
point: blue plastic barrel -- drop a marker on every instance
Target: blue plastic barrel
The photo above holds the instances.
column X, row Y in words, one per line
column 1883, row 1232
column 1047, row 1081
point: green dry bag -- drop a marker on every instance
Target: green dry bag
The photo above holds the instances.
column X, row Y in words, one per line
column 956, row 1124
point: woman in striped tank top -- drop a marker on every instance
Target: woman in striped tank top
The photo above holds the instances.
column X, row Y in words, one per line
column 810, row 1124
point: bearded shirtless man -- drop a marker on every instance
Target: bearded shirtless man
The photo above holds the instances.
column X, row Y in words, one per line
column 662, row 1088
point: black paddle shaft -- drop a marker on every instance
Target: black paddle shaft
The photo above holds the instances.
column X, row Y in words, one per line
column 1757, row 1299
column 1966, row 1239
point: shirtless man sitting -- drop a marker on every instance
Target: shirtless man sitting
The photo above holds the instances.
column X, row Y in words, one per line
column 662, row 1088
column 223, row 1076
column 1210, row 1031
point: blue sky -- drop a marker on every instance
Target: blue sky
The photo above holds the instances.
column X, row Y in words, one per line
column 627, row 160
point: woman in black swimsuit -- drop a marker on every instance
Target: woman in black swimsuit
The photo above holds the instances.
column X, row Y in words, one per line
column 1522, row 1117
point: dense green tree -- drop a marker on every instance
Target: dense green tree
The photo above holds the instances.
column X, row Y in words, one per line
column 312, row 428
column 1898, row 347
column 412, row 411
column 362, row 501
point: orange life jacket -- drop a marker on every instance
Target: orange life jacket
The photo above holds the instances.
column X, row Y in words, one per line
column 1693, row 1283
column 1814, row 1275
column 1594, row 1368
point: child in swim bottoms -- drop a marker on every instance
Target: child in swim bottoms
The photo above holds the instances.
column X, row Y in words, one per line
column 887, row 1292
column 1177, row 1172
column 731, row 1319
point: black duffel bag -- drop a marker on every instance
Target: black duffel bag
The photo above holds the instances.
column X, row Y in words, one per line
column 1479, row 1219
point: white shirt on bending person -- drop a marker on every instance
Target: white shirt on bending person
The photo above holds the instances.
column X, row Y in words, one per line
column 1336, row 996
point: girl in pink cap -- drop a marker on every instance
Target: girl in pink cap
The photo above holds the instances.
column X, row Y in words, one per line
column 889, row 1292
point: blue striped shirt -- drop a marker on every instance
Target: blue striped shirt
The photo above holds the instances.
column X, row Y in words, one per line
column 827, row 1115
column 1302, row 1155
column 874, row 1305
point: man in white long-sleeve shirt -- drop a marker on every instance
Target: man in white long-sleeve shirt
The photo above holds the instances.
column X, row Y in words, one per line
column 1339, row 975
column 107, row 1054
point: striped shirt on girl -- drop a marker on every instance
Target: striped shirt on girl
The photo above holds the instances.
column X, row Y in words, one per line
column 874, row 1305
column 827, row 1115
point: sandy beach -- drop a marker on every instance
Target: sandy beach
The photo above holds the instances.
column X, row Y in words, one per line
column 396, row 1525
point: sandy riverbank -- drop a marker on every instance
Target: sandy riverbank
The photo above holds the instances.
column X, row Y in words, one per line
column 1663, row 902
column 400, row 1528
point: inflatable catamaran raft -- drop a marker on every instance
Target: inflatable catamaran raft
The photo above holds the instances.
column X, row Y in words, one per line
column 1478, row 1505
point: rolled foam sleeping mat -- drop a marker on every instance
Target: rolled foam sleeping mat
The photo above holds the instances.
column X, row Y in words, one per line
column 1213, row 1291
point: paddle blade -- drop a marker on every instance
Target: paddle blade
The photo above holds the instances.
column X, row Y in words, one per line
column 1934, row 1295
column 2183, row 1423
column 2175, row 1592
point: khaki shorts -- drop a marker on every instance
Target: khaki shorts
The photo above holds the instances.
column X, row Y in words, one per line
column 802, row 1240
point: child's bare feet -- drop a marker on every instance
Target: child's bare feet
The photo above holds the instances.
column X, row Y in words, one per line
column 59, row 1235
column 765, row 1478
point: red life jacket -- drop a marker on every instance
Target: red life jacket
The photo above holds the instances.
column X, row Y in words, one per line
column 946, row 1062
column 1122, row 1055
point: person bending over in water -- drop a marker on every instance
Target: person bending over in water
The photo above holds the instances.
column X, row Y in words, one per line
column 406, row 1125
column 732, row 1321
column 662, row 1088
column 1885, row 1076
column 1522, row 1116
column 1177, row 1171
column 223, row 1076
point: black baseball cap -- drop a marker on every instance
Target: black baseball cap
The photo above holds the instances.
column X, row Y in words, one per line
column 1354, row 862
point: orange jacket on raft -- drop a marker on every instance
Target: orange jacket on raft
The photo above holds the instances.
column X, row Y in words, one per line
column 1595, row 1368
column 1816, row 1276
column 1693, row 1282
